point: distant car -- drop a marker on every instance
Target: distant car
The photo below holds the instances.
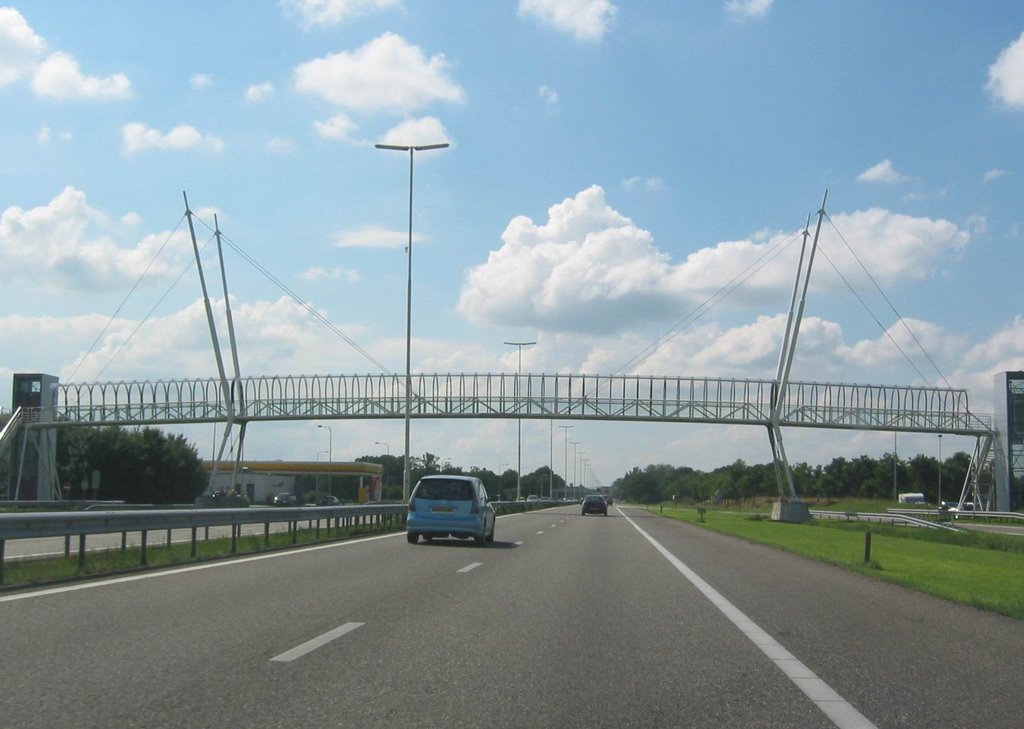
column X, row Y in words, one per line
column 450, row 506
column 533, row 497
column 595, row 504
column 329, row 500
column 285, row 499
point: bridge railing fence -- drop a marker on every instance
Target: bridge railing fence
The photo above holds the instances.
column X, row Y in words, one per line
column 527, row 395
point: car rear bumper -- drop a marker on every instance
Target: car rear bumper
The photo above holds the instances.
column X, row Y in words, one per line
column 470, row 527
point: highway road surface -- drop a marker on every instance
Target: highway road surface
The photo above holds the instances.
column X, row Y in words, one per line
column 629, row 620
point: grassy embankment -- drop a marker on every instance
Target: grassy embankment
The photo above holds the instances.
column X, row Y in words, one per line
column 980, row 569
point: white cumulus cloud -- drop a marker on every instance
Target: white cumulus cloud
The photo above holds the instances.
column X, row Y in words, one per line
column 748, row 8
column 412, row 132
column 138, row 137
column 590, row 269
column 387, row 74
column 1006, row 75
column 883, row 172
column 333, row 12
column 585, row 20
column 67, row 244
column 260, row 92
column 60, row 77
column 339, row 126
column 20, row 47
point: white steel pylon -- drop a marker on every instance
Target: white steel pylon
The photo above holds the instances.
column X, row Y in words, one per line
column 789, row 507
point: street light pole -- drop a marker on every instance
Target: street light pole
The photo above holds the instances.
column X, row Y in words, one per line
column 407, row 469
column 574, row 444
column 330, row 441
column 565, row 466
column 519, row 421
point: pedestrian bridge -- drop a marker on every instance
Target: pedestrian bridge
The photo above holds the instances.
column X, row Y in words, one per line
column 533, row 396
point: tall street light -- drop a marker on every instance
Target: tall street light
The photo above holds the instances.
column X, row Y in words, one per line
column 574, row 444
column 565, row 466
column 519, row 421
column 411, row 149
column 330, row 441
column 330, row 457
column 388, row 448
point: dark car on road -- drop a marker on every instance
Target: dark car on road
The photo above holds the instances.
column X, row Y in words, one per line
column 285, row 499
column 595, row 505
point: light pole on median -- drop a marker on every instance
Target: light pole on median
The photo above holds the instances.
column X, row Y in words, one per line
column 519, row 421
column 565, row 466
column 330, row 441
column 574, row 444
column 406, row 466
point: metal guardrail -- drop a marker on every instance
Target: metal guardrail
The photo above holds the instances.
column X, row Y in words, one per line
column 979, row 514
column 889, row 518
column 80, row 524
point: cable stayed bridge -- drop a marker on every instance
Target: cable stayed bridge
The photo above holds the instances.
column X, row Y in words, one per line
column 773, row 404
column 625, row 398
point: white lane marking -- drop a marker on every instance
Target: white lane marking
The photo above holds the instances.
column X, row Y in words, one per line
column 470, row 567
column 553, row 526
column 311, row 645
column 192, row 568
column 834, row 706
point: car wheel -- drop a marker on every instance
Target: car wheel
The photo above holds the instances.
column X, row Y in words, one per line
column 412, row 537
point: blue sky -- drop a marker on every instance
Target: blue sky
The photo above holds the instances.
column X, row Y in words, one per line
column 612, row 166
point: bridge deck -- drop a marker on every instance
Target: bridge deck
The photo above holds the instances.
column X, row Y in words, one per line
column 538, row 396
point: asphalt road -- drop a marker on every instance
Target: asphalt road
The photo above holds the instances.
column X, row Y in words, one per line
column 566, row 621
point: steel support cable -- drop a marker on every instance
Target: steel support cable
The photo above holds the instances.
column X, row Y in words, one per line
column 891, row 306
column 298, row 300
column 125, row 299
column 152, row 309
column 770, row 254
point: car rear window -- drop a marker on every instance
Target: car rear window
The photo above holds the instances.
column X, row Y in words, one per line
column 445, row 490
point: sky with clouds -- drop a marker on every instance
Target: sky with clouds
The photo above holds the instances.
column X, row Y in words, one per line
column 626, row 185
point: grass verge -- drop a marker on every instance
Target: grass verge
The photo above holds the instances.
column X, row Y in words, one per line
column 979, row 569
column 35, row 572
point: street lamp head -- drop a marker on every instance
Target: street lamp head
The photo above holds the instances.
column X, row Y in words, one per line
column 413, row 147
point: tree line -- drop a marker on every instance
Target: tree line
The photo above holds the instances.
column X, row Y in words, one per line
column 861, row 478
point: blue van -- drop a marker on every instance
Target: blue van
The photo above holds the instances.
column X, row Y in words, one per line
column 450, row 506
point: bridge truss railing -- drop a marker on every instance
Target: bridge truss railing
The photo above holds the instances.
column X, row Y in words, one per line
column 540, row 396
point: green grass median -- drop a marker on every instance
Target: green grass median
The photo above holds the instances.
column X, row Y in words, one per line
column 98, row 563
column 979, row 569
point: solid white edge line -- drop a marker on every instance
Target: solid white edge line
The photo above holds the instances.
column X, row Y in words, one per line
column 311, row 645
column 470, row 567
column 834, row 706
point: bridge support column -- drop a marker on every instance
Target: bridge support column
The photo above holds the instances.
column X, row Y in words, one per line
column 793, row 511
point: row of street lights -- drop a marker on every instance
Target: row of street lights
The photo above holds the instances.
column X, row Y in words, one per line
column 407, row 471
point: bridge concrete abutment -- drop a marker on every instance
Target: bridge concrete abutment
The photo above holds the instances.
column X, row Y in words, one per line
column 793, row 511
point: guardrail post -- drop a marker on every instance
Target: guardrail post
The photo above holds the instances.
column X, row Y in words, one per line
column 81, row 551
column 234, row 538
column 867, row 546
column 192, row 553
column 142, row 559
column 266, row 534
column 124, row 541
column 168, row 538
column 294, row 526
column 67, row 546
column 2, row 545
